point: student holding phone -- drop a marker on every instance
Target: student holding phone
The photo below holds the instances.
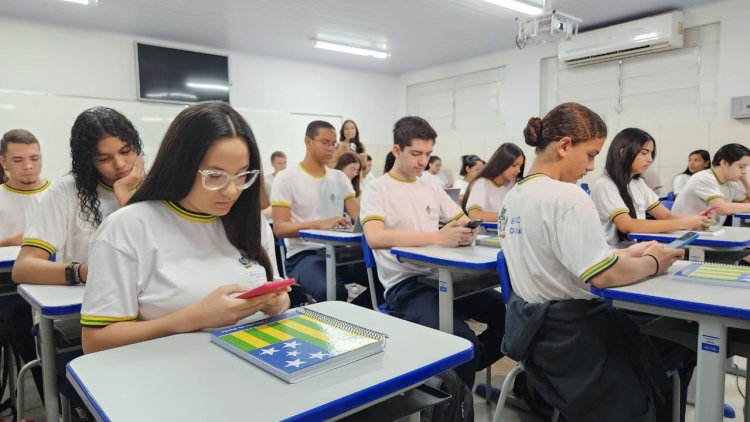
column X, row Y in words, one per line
column 622, row 198
column 191, row 237
column 584, row 358
column 390, row 220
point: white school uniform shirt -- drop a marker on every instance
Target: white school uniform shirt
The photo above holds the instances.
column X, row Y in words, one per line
column 153, row 258
column 310, row 198
column 17, row 208
column 58, row 227
column 679, row 183
column 418, row 206
column 488, row 196
column 551, row 247
column 609, row 203
column 702, row 187
column 268, row 180
column 369, row 178
column 461, row 184
column 431, row 178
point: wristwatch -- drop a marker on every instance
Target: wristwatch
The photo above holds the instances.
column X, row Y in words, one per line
column 70, row 276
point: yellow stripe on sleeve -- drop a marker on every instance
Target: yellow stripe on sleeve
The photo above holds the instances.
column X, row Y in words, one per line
column 371, row 218
column 474, row 207
column 616, row 213
column 654, row 205
column 598, row 268
column 348, row 197
column 102, row 321
column 281, row 204
column 459, row 215
column 39, row 243
column 712, row 197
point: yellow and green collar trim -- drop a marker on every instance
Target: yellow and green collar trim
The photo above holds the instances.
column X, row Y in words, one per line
column 400, row 180
column 599, row 268
column 325, row 171
column 105, row 186
column 102, row 321
column 716, row 176
column 27, row 192
column 190, row 215
column 531, row 177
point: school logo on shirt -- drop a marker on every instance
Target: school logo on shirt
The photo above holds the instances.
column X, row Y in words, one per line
column 430, row 210
column 333, row 197
column 502, row 221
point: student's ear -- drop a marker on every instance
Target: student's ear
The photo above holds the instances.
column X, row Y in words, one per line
column 2, row 161
column 396, row 150
column 622, row 152
column 724, row 163
column 564, row 145
column 308, row 141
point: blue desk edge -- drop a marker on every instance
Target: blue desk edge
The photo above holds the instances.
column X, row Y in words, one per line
column 72, row 308
column 458, row 264
column 697, row 242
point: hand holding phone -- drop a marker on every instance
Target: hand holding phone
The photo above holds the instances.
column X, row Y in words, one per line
column 269, row 287
column 473, row 224
column 682, row 241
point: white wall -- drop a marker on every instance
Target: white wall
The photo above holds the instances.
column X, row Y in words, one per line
column 73, row 67
column 524, row 80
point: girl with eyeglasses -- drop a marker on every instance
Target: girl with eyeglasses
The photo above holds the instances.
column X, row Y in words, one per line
column 350, row 164
column 191, row 237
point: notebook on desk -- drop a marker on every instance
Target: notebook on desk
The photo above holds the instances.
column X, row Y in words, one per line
column 713, row 273
column 300, row 343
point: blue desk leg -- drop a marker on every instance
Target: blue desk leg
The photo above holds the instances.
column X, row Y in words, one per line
column 712, row 345
column 46, row 331
column 445, row 301
column 330, row 272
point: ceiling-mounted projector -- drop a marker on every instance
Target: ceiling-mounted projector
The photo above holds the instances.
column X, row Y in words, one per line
column 547, row 27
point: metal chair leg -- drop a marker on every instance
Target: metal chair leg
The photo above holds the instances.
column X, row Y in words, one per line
column 505, row 389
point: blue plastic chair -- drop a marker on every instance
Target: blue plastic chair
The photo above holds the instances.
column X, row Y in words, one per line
column 370, row 266
column 667, row 203
column 585, row 187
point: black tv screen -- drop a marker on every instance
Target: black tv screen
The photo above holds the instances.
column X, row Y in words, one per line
column 172, row 75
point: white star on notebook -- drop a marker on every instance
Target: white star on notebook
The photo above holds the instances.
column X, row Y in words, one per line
column 295, row 363
column 318, row 355
column 292, row 344
column 269, row 351
column 292, row 353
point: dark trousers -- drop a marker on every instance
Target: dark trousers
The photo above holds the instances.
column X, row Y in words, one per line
column 418, row 303
column 308, row 268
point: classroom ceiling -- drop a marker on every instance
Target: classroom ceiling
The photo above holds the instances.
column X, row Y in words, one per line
column 417, row 33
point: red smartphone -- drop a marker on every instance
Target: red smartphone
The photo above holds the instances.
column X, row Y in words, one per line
column 708, row 211
column 269, row 287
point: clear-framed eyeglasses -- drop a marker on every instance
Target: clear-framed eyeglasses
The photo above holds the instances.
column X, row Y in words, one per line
column 217, row 179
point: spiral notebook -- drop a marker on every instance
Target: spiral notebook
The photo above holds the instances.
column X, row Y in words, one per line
column 300, row 343
column 721, row 274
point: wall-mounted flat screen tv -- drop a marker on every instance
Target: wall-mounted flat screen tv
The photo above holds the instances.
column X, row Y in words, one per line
column 180, row 76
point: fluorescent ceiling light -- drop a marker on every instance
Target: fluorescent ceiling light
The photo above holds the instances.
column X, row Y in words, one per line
column 518, row 6
column 342, row 48
column 212, row 87
column 83, row 2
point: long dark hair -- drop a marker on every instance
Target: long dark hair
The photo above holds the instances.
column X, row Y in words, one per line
column 567, row 119
column 90, row 127
column 359, row 147
column 432, row 159
column 469, row 161
column 345, row 160
column 173, row 173
column 505, row 155
column 704, row 155
column 625, row 146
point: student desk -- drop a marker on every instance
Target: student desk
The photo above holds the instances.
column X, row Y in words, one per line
column 8, row 256
column 471, row 259
column 713, row 307
column 733, row 239
column 331, row 239
column 489, row 227
column 738, row 219
column 52, row 302
column 185, row 377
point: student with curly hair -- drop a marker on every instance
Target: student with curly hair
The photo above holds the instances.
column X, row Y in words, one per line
column 106, row 168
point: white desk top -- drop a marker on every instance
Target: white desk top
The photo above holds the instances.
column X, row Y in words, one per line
column 8, row 255
column 185, row 377
column 464, row 257
column 664, row 291
column 733, row 237
column 331, row 235
column 53, row 300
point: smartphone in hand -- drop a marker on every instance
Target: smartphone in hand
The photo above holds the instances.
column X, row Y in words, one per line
column 269, row 287
column 682, row 241
column 473, row 224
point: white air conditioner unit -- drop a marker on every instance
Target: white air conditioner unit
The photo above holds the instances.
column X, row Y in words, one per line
column 647, row 35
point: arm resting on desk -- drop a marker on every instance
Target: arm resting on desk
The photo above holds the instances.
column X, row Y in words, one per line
column 634, row 265
column 486, row 216
column 218, row 309
column 284, row 227
column 725, row 207
column 12, row 240
column 665, row 222
column 452, row 234
column 33, row 266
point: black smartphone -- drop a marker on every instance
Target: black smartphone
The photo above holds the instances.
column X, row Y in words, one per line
column 473, row 224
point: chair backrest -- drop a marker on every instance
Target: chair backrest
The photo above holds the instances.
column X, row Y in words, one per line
column 667, row 204
column 502, row 271
column 367, row 252
column 282, row 253
column 585, row 187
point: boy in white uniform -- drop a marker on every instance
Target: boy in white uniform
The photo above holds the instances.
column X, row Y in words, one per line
column 311, row 196
column 278, row 163
column 21, row 193
column 191, row 238
column 401, row 209
column 106, row 169
column 724, row 185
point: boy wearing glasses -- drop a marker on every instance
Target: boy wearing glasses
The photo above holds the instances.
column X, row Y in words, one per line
column 311, row 196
